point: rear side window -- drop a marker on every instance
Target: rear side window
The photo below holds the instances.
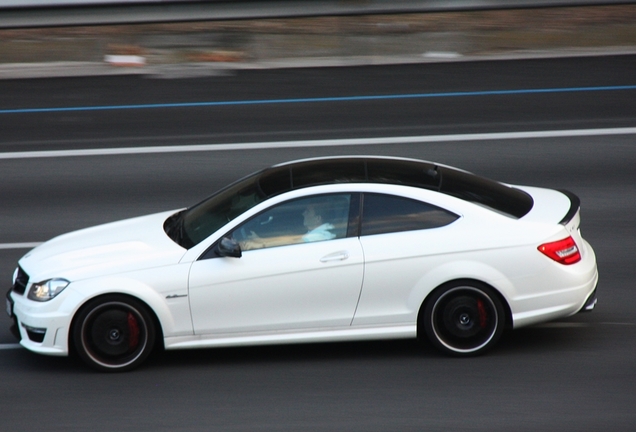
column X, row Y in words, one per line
column 383, row 214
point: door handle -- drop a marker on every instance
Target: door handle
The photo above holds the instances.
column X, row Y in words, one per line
column 336, row 256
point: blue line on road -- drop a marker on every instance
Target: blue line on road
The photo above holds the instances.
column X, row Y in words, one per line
column 319, row 99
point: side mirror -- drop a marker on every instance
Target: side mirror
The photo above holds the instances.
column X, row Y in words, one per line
column 228, row 247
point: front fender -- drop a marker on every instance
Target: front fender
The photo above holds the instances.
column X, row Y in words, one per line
column 163, row 290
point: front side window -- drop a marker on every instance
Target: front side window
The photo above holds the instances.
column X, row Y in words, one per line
column 305, row 220
column 383, row 214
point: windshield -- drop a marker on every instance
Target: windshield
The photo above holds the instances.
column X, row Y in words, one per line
column 200, row 221
column 192, row 226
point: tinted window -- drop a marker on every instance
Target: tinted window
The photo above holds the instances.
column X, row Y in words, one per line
column 386, row 213
column 275, row 181
column 479, row 190
column 198, row 222
column 306, row 220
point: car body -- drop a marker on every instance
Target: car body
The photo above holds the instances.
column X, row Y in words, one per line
column 402, row 248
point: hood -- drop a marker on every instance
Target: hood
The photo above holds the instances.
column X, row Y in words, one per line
column 117, row 247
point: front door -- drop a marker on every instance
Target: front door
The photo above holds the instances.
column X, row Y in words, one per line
column 298, row 271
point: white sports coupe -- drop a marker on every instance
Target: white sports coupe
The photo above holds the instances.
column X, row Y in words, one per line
column 327, row 249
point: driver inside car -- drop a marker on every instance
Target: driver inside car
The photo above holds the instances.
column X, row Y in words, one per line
column 316, row 216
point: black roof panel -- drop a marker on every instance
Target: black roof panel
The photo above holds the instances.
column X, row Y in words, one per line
column 408, row 172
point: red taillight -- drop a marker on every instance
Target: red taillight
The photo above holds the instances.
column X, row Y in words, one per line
column 563, row 251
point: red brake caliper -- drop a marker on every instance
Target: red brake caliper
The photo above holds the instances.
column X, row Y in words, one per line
column 133, row 331
column 483, row 315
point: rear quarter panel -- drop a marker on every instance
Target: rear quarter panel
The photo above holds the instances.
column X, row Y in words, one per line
column 402, row 269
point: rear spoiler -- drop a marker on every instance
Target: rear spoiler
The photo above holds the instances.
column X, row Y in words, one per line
column 575, row 205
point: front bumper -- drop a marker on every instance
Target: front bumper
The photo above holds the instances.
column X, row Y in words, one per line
column 14, row 321
column 40, row 327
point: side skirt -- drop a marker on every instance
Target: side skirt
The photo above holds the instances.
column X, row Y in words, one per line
column 280, row 337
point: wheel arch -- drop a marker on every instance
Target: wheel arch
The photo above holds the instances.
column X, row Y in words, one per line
column 421, row 334
column 158, row 342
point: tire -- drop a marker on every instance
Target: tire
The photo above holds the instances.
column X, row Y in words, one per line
column 463, row 318
column 114, row 333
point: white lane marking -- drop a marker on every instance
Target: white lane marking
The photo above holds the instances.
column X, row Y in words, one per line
column 19, row 245
column 319, row 143
column 10, row 346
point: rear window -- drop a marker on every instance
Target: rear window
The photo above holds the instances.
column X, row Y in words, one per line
column 489, row 193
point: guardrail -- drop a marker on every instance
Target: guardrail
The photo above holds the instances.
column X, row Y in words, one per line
column 49, row 13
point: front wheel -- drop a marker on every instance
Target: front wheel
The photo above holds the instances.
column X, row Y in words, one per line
column 463, row 319
column 113, row 333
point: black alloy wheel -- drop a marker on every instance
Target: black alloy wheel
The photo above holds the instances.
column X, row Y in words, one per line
column 463, row 319
column 113, row 333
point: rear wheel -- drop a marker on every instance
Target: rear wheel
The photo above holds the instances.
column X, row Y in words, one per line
column 463, row 319
column 114, row 333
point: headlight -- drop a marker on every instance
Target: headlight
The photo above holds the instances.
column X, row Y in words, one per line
column 15, row 276
column 45, row 291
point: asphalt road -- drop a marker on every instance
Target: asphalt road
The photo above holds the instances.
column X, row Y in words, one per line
column 577, row 374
